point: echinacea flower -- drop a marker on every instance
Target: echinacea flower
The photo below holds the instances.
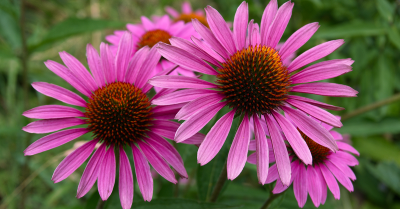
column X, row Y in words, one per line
column 187, row 14
column 119, row 115
column 253, row 80
column 326, row 168
column 150, row 32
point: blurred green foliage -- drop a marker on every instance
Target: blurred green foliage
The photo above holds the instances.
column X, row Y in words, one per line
column 371, row 29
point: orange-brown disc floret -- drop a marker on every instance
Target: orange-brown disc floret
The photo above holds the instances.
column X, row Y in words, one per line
column 318, row 152
column 152, row 37
column 118, row 113
column 187, row 18
column 254, row 80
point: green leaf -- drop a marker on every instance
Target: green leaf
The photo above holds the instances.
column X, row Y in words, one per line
column 388, row 173
column 377, row 148
column 394, row 36
column 350, row 30
column 93, row 200
column 9, row 29
column 385, row 9
column 177, row 204
column 71, row 27
column 365, row 128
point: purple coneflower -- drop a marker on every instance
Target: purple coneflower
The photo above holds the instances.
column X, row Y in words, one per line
column 187, row 14
column 149, row 33
column 118, row 113
column 326, row 168
column 252, row 79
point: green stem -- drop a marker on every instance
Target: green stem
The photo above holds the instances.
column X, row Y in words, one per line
column 219, row 185
column 100, row 204
column 271, row 198
column 372, row 106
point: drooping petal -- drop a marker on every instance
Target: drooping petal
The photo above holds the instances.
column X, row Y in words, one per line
column 316, row 103
column 280, row 151
column 215, row 138
column 316, row 112
column 91, row 172
column 298, row 39
column 330, row 181
column 95, row 66
column 197, row 121
column 320, row 73
column 176, row 82
column 59, row 93
column 157, row 162
column 279, row 24
column 125, row 184
column 322, row 184
column 266, row 20
column 294, row 138
column 182, row 96
column 347, row 158
column 206, row 47
column 314, row 54
column 240, row 25
column 340, row 176
column 165, row 128
column 50, row 125
column 273, row 174
column 347, row 147
column 238, row 152
column 198, row 104
column 73, row 161
column 106, row 179
column 262, row 151
column 54, row 140
column 300, row 185
column 314, row 185
column 342, row 166
column 52, row 111
column 311, row 128
column 143, row 174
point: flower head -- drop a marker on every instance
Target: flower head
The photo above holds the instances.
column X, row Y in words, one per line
column 117, row 112
column 255, row 80
column 326, row 168
column 187, row 14
column 151, row 32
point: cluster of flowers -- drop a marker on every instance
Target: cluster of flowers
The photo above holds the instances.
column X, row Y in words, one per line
column 254, row 76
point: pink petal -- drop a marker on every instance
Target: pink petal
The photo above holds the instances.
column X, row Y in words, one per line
column 280, row 151
column 54, row 140
column 240, row 25
column 279, row 187
column 314, row 54
column 50, row 125
column 171, row 11
column 314, row 185
column 209, row 37
column 255, row 38
column 73, row 161
column 316, row 112
column 168, row 152
column 336, row 135
column 300, row 185
column 146, row 71
column 347, row 147
column 238, row 152
column 187, row 46
column 316, row 103
column 166, row 112
column 206, row 48
column 125, row 184
column 125, row 48
column 336, row 161
column 198, row 104
column 298, row 39
column 272, row 174
column 340, row 176
column 197, row 121
column 320, row 73
column 165, row 128
column 196, row 139
column 135, row 64
column 215, row 138
column 330, row 181
column 143, row 174
column 136, row 30
column 68, row 76
column 157, row 162
column 95, row 67
column 162, row 92
column 106, row 180
column 311, row 128
column 220, row 29
column 176, row 81
column 279, row 24
column 182, row 96
column 107, row 61
column 185, row 59
column 325, row 89
column 147, row 24
column 163, row 23
column 52, row 111
column 262, row 151
column 186, row 8
column 91, row 172
column 322, row 184
column 79, row 71
column 346, row 158
column 294, row 138
column 266, row 20
column 59, row 93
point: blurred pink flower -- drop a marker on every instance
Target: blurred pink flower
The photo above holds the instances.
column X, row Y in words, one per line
column 254, row 79
column 187, row 14
column 118, row 114
column 326, row 168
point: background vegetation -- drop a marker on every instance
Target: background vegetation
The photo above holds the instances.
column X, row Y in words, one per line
column 33, row 31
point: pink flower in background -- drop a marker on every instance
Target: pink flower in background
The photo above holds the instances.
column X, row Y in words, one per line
column 326, row 168
column 254, row 79
column 187, row 14
column 119, row 115
column 150, row 32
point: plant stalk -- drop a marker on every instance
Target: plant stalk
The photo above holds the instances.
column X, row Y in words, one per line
column 219, row 185
column 269, row 201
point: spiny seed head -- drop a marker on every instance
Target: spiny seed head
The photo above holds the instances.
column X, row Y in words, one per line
column 187, row 18
column 318, row 152
column 152, row 37
column 254, row 80
column 118, row 113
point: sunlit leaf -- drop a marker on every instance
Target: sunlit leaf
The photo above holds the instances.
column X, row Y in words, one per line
column 349, row 30
column 385, row 9
column 388, row 173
